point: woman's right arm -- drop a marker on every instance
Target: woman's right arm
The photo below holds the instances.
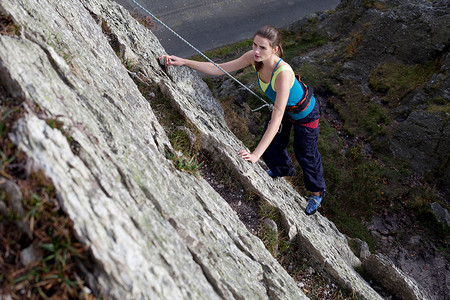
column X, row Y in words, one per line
column 208, row 68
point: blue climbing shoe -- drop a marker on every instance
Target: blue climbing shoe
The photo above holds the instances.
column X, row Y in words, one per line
column 313, row 204
column 270, row 173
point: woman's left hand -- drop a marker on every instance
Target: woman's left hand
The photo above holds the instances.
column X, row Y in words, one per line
column 248, row 156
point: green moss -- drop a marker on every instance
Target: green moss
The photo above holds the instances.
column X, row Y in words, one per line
column 312, row 75
column 362, row 116
column 294, row 44
column 394, row 80
column 444, row 110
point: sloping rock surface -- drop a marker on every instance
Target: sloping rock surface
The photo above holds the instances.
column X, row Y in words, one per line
column 154, row 232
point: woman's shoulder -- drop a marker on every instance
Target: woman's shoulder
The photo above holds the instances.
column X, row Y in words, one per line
column 284, row 65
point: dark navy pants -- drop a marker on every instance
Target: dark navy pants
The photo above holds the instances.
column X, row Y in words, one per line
column 305, row 147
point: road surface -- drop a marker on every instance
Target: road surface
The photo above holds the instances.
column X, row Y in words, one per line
column 208, row 24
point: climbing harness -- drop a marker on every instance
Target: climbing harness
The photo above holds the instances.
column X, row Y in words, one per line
column 304, row 102
column 269, row 105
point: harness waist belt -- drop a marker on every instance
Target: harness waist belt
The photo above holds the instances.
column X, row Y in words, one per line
column 304, row 102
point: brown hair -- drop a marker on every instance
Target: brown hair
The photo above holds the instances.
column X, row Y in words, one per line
column 274, row 36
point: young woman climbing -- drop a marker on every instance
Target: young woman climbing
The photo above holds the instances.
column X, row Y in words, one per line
column 294, row 106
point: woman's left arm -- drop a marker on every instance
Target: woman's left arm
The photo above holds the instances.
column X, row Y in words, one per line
column 283, row 85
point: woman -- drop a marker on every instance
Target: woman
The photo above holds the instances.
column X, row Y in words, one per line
column 294, row 106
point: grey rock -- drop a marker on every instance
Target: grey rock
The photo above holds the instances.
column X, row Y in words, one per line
column 30, row 255
column 11, row 194
column 446, row 64
column 441, row 213
column 11, row 202
column 420, row 140
column 411, row 32
column 272, row 229
column 360, row 248
column 394, row 280
column 271, row 225
column 414, row 240
column 299, row 61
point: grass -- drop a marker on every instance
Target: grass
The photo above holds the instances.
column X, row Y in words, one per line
column 190, row 164
column 7, row 26
column 130, row 64
column 54, row 273
column 379, row 5
column 183, row 135
column 352, row 47
column 272, row 240
column 354, row 184
column 294, row 44
column 61, row 49
column 291, row 255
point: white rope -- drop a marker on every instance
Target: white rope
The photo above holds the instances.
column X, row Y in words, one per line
column 198, row 51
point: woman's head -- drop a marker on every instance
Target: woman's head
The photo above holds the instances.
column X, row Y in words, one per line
column 271, row 35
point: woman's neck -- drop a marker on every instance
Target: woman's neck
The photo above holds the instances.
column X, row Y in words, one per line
column 271, row 62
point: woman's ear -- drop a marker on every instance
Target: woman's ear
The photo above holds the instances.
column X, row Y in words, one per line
column 275, row 50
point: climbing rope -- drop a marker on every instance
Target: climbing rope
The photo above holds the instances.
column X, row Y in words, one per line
column 207, row 58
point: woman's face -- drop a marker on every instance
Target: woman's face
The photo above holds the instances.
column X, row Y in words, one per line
column 262, row 49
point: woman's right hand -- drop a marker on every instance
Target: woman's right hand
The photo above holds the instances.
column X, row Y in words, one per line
column 172, row 60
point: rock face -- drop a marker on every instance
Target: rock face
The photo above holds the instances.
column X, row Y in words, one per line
column 421, row 140
column 392, row 278
column 154, row 232
column 405, row 32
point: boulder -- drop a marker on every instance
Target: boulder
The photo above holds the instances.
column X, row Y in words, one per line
column 394, row 280
column 441, row 213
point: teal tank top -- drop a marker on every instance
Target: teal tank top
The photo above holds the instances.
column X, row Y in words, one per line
column 296, row 92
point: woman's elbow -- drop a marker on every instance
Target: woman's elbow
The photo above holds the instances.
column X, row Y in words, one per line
column 277, row 113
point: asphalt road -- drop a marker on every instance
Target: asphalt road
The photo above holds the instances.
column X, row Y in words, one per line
column 208, row 24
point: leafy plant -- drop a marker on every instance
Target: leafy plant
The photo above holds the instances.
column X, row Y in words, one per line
column 189, row 164
column 145, row 20
column 5, row 113
column 130, row 64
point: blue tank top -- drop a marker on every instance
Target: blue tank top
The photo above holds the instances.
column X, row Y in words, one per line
column 296, row 92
